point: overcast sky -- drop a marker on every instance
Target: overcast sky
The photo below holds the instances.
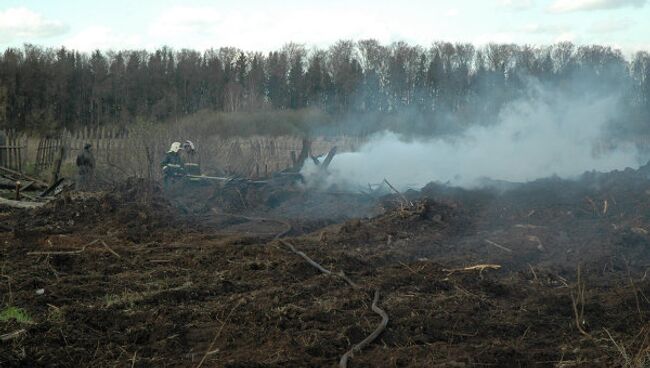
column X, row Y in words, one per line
column 268, row 24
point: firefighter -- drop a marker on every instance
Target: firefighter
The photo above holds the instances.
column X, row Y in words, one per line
column 172, row 165
column 190, row 159
column 86, row 167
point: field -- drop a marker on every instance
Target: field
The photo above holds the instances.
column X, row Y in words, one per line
column 552, row 273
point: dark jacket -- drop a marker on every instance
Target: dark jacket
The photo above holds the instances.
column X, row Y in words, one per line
column 171, row 158
column 85, row 162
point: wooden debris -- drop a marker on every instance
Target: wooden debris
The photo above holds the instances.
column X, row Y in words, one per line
column 304, row 155
column 478, row 267
column 398, row 193
column 322, row 269
column 532, row 270
column 210, row 349
column 343, row 363
column 328, row 159
column 12, row 335
column 63, row 252
column 261, row 219
column 20, row 204
column 52, row 188
column 639, row 231
column 19, row 175
column 498, row 245
column 528, row 226
column 110, row 249
column 56, row 169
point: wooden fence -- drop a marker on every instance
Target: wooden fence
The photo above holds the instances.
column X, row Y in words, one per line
column 12, row 146
column 138, row 152
column 46, row 153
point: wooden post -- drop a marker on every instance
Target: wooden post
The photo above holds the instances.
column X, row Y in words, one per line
column 38, row 154
column 16, row 149
column 57, row 166
column 20, row 157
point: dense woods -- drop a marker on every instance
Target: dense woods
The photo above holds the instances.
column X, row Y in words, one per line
column 53, row 88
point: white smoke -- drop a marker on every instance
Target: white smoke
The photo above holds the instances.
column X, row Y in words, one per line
column 550, row 132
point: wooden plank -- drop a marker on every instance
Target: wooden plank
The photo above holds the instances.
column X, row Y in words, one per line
column 38, row 153
column 13, row 153
column 20, row 204
column 21, row 175
column 20, row 160
column 52, row 187
column 56, row 170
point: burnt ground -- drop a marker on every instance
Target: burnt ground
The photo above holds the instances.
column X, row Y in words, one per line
column 134, row 278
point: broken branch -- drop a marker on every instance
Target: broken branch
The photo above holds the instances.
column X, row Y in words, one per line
column 62, row 252
column 343, row 363
column 110, row 250
column 328, row 158
column 318, row 266
column 20, row 204
column 498, row 246
column 398, row 193
column 207, row 352
column 12, row 335
column 478, row 267
column 261, row 219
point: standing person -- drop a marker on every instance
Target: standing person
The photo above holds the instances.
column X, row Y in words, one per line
column 85, row 167
column 190, row 159
column 172, row 165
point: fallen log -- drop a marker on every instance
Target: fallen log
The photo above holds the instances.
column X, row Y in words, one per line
column 20, row 204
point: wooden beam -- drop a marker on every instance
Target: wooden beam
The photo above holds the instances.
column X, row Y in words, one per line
column 20, row 204
column 21, row 175
column 328, row 159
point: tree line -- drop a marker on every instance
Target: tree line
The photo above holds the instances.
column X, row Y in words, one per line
column 45, row 88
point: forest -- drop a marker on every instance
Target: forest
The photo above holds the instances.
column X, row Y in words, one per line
column 44, row 89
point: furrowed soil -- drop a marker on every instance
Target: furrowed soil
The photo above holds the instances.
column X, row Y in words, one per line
column 551, row 273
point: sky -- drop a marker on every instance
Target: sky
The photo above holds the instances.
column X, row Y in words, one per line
column 264, row 25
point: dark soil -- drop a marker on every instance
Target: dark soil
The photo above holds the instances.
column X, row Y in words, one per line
column 132, row 278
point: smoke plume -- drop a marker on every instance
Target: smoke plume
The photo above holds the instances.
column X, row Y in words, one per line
column 550, row 131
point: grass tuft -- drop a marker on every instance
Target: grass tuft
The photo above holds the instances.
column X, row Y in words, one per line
column 17, row 314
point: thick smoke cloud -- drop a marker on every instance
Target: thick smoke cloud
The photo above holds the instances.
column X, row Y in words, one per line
column 551, row 131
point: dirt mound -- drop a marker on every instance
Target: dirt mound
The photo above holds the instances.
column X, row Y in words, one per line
column 546, row 274
column 134, row 210
column 423, row 216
